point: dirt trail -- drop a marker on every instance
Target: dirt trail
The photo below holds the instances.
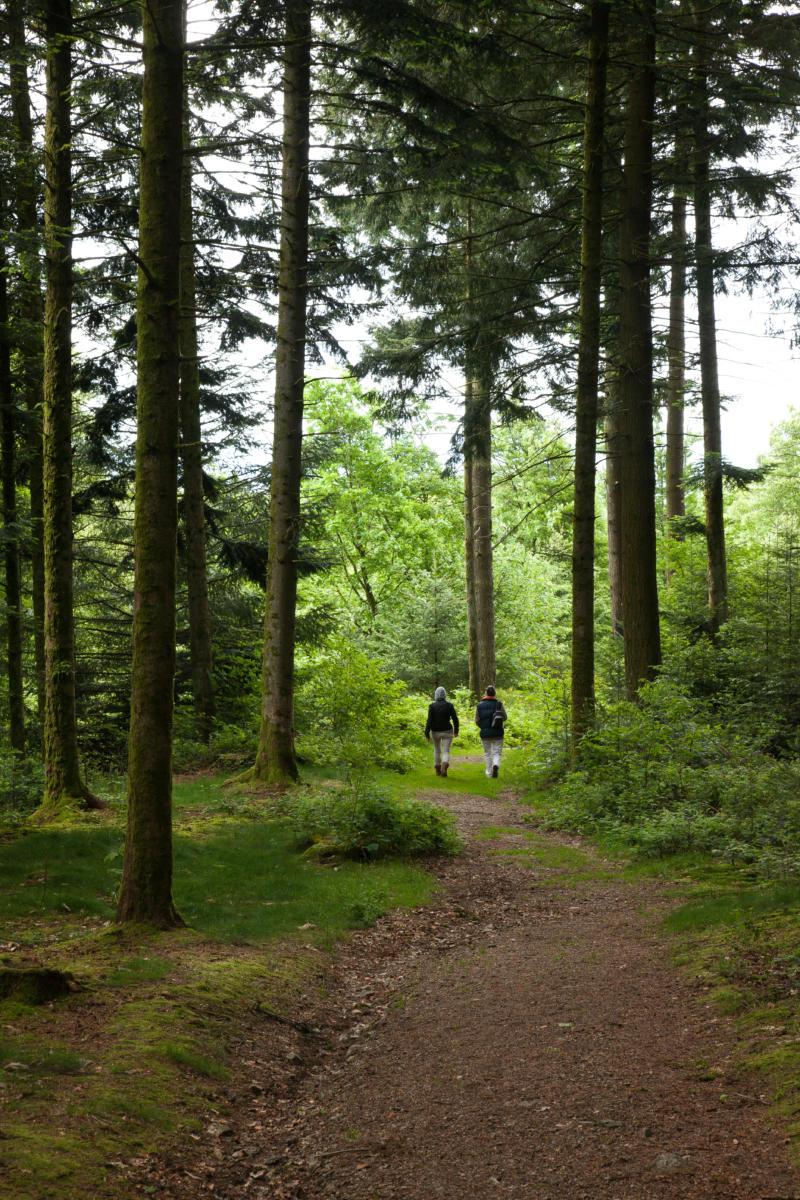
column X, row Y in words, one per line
column 526, row 1038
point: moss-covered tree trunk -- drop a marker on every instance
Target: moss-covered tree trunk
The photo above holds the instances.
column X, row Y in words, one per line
column 586, row 405
column 473, row 666
column 64, row 787
column 676, row 358
column 29, row 321
column 192, row 462
column 275, row 760
column 635, row 361
column 707, row 329
column 10, row 539
column 613, row 515
column 146, row 890
column 480, row 437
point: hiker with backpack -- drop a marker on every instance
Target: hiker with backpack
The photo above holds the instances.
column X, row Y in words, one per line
column 442, row 724
column 490, row 717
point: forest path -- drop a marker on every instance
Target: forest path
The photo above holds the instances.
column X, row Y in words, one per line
column 527, row 1038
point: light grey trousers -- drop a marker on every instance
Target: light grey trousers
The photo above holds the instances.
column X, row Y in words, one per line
column 492, row 749
column 441, row 746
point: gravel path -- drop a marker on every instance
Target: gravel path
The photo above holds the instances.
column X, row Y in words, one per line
column 525, row 1038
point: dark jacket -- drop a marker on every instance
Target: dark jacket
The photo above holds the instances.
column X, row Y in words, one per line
column 488, row 727
column 440, row 715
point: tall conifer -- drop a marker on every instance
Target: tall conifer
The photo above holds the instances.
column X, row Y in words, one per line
column 146, row 889
column 635, row 359
column 275, row 760
column 586, row 408
column 64, row 786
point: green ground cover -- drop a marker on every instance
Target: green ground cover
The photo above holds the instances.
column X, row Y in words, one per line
column 138, row 1052
column 736, row 935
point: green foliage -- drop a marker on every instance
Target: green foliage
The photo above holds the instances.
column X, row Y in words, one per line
column 350, row 711
column 21, row 785
column 237, row 876
column 362, row 821
column 670, row 775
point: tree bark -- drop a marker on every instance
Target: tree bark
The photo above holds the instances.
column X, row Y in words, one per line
column 676, row 359
column 64, row 787
column 474, row 672
column 635, row 354
column 146, row 890
column 275, row 760
column 8, row 435
column 586, row 406
column 480, row 436
column 707, row 328
column 29, row 340
column 192, row 463
column 614, row 518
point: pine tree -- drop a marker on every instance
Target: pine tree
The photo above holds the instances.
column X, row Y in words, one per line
column 707, row 328
column 586, row 401
column 635, row 359
column 64, row 786
column 275, row 760
column 146, row 889
column 29, row 319
column 194, row 517
column 676, row 356
column 10, row 538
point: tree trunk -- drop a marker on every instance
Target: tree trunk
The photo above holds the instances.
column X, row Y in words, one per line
column 29, row 339
column 635, row 354
column 587, row 384
column 707, row 327
column 676, row 356
column 480, row 435
column 474, row 675
column 614, row 518
column 146, row 890
column 275, row 761
column 8, row 435
column 64, row 787
column 192, row 462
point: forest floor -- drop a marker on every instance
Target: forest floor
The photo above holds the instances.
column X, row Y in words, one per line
column 526, row 1035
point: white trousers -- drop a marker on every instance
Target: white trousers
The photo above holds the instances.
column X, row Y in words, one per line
column 492, row 749
column 441, row 746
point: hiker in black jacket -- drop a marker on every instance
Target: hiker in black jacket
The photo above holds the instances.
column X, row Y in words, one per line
column 490, row 717
column 443, row 724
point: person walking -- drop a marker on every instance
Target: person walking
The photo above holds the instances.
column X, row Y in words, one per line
column 490, row 717
column 442, row 724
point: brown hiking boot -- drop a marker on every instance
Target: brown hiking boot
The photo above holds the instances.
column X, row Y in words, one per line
column 444, row 769
column 437, row 768
column 495, row 771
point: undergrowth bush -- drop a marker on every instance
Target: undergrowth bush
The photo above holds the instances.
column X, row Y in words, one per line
column 350, row 711
column 21, row 786
column 669, row 776
column 363, row 822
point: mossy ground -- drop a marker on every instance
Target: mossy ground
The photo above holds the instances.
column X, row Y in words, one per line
column 740, row 940
column 137, row 1055
column 738, row 937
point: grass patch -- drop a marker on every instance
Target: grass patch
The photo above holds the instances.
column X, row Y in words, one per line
column 463, row 777
column 734, row 907
column 201, row 1064
column 40, row 1059
column 491, row 833
column 138, row 970
column 164, row 1007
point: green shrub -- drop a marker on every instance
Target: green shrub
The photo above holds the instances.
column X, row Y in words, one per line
column 350, row 711
column 669, row 776
column 21, row 785
column 363, row 822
